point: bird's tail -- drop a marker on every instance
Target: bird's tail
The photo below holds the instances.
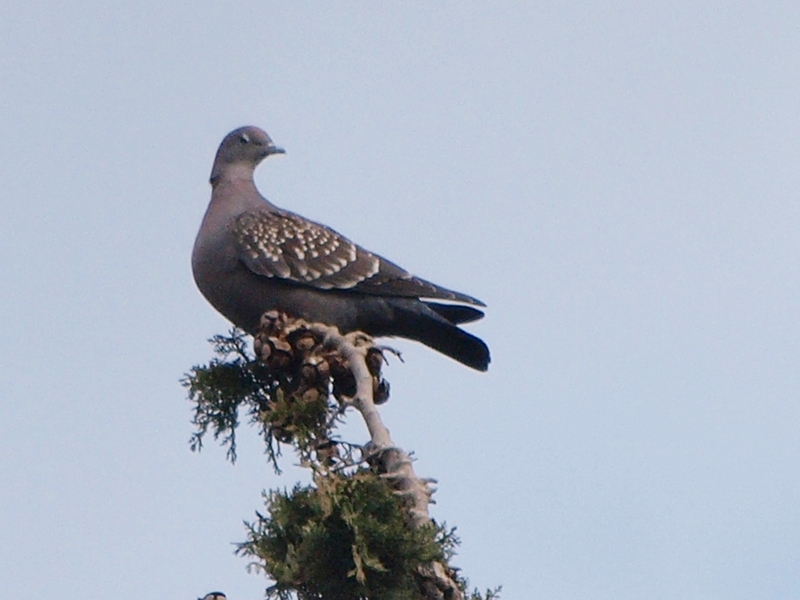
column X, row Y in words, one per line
column 428, row 325
column 456, row 313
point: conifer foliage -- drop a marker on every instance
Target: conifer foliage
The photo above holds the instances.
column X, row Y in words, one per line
column 362, row 529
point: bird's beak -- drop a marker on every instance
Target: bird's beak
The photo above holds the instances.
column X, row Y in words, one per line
column 274, row 150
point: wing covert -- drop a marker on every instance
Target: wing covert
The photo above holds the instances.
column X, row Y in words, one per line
column 286, row 246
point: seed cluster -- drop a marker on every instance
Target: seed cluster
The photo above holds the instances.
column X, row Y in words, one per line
column 298, row 350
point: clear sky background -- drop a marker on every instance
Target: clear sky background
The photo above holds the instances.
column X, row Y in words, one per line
column 617, row 180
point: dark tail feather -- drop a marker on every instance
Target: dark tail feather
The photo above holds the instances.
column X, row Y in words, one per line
column 456, row 313
column 425, row 324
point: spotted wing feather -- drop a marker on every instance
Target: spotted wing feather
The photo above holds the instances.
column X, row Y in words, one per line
column 286, row 246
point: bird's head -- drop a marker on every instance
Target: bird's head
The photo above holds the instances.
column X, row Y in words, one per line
column 241, row 151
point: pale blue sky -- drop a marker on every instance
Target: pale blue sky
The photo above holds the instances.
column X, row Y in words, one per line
column 617, row 180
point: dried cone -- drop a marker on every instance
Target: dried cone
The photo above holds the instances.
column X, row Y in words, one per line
column 381, row 391
column 303, row 341
column 280, row 353
column 287, row 344
column 375, row 360
column 273, row 323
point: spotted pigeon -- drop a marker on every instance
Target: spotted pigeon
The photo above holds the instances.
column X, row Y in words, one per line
column 251, row 256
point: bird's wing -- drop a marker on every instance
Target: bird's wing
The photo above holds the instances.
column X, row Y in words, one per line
column 286, row 246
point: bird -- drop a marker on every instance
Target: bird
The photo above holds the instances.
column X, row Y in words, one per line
column 214, row 596
column 251, row 257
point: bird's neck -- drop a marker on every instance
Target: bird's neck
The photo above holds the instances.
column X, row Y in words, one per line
column 233, row 196
column 237, row 174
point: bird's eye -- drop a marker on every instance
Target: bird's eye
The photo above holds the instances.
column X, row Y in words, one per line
column 245, row 139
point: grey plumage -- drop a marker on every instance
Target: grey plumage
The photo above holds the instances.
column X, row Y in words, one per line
column 251, row 256
column 214, row 596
